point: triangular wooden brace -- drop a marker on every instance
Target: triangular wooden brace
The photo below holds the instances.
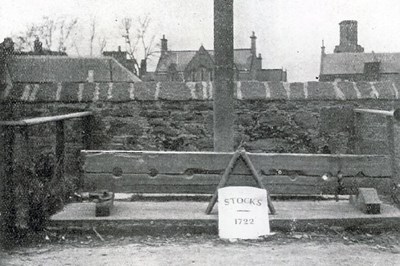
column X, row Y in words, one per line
column 241, row 153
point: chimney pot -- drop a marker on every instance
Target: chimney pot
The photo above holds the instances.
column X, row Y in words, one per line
column 164, row 45
column 253, row 44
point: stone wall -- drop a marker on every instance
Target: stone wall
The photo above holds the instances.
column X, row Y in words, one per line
column 311, row 117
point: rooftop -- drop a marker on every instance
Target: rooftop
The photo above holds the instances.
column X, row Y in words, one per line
column 353, row 63
column 43, row 69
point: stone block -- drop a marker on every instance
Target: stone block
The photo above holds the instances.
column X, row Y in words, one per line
column 146, row 91
column 385, row 90
column 367, row 200
column 348, row 90
column 321, row 91
column 122, row 92
column 16, row 92
column 306, row 119
column 336, row 119
column 69, row 92
column 174, row 91
column 366, row 90
column 47, row 92
column 297, row 91
column 277, row 90
column 251, row 90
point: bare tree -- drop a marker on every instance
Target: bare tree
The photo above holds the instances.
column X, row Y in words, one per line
column 66, row 27
column 131, row 41
column 92, row 34
column 50, row 31
column 46, row 31
column 102, row 44
column 76, row 47
column 138, row 39
column 147, row 45
column 24, row 41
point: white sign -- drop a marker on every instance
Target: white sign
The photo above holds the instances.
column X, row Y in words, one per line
column 242, row 212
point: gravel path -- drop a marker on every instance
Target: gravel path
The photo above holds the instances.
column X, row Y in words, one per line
column 295, row 248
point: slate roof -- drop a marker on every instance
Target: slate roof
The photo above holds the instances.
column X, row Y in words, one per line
column 242, row 59
column 353, row 63
column 42, row 69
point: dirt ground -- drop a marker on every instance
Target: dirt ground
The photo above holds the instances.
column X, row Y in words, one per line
column 333, row 247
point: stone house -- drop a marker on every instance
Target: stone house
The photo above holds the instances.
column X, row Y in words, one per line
column 198, row 65
column 122, row 57
column 349, row 62
column 26, row 68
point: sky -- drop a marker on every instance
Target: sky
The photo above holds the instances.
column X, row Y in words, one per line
column 289, row 32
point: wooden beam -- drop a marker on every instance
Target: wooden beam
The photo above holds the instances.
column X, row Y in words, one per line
column 257, row 179
column 46, row 119
column 223, row 181
column 223, row 100
column 189, row 163
column 206, row 184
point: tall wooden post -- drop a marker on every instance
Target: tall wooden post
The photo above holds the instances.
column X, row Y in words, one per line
column 7, row 185
column 391, row 144
column 224, row 76
column 87, row 125
column 60, row 157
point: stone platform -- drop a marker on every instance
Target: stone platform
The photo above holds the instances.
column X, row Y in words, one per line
column 189, row 216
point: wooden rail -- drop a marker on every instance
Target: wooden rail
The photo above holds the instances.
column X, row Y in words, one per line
column 200, row 172
column 394, row 113
column 8, row 130
column 46, row 119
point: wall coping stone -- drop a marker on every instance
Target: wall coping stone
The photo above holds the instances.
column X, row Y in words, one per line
column 200, row 91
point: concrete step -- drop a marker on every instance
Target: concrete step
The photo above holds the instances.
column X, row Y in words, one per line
column 189, row 216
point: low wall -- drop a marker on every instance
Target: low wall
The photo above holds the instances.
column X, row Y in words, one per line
column 176, row 91
column 311, row 117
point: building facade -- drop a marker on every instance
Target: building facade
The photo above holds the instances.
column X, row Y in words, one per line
column 122, row 58
column 44, row 67
column 198, row 65
column 349, row 62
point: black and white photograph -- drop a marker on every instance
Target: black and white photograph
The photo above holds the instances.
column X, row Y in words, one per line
column 199, row 132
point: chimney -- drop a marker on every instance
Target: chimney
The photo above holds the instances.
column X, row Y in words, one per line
column 348, row 32
column 321, row 66
column 164, row 45
column 323, row 49
column 348, row 38
column 6, row 50
column 37, row 46
column 143, row 68
column 259, row 61
column 253, row 44
column 119, row 48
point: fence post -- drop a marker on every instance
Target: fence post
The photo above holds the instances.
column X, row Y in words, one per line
column 87, row 122
column 60, row 158
column 392, row 154
column 7, row 184
column 392, row 151
column 357, row 133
